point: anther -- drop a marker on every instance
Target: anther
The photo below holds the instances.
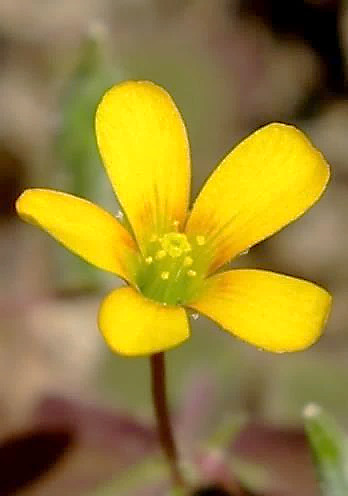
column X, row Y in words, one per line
column 148, row 260
column 165, row 275
column 160, row 254
column 191, row 273
column 200, row 240
column 188, row 261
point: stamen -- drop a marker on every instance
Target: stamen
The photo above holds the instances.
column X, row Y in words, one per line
column 200, row 240
column 160, row 254
column 148, row 260
column 191, row 273
column 153, row 238
column 188, row 261
column 165, row 275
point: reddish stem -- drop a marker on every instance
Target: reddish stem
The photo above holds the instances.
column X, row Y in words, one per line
column 165, row 434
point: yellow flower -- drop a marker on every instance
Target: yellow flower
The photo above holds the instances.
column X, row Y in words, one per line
column 170, row 255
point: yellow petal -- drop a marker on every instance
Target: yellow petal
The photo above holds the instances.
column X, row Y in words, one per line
column 135, row 326
column 271, row 311
column 267, row 181
column 143, row 143
column 82, row 227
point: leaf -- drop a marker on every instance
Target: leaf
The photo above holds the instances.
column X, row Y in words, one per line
column 329, row 450
column 28, row 456
column 144, row 478
column 80, row 170
column 107, row 445
column 274, row 457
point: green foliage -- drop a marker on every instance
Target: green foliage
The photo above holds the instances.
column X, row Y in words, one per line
column 149, row 472
column 329, row 448
column 80, row 170
column 76, row 143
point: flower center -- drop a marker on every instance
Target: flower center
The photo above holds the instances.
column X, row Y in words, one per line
column 172, row 269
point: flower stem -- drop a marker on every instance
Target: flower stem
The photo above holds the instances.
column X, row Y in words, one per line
column 165, row 434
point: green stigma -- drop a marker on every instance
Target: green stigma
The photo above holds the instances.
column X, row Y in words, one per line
column 175, row 244
column 173, row 269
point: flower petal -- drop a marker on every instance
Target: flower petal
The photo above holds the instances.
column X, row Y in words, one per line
column 82, row 227
column 271, row 311
column 267, row 181
column 143, row 143
column 135, row 326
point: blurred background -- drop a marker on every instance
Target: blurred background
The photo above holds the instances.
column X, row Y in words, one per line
column 231, row 66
